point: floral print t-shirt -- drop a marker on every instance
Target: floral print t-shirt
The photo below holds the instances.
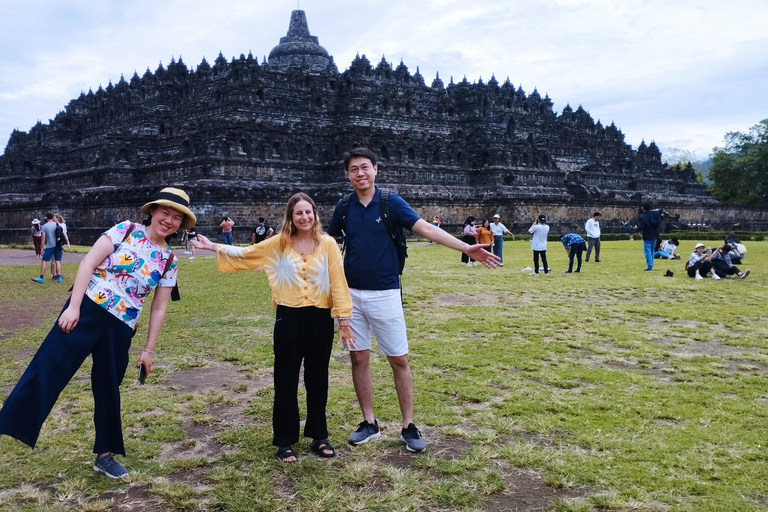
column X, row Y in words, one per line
column 121, row 282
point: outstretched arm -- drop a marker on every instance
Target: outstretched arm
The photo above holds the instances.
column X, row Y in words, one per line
column 476, row 252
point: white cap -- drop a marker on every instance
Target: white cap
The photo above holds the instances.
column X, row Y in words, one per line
column 699, row 245
column 497, row 216
column 35, row 221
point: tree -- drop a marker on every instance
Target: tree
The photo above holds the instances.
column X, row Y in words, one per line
column 739, row 171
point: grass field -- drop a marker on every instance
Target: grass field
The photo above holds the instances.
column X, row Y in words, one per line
column 613, row 389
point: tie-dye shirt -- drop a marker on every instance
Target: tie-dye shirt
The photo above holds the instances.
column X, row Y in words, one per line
column 121, row 282
column 296, row 281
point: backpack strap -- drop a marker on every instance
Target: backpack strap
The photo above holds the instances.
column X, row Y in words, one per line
column 345, row 203
column 395, row 232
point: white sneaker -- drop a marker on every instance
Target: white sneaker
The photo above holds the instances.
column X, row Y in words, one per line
column 191, row 257
column 698, row 276
column 715, row 277
column 534, row 274
column 467, row 264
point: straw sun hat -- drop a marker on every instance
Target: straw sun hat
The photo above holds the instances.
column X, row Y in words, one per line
column 173, row 198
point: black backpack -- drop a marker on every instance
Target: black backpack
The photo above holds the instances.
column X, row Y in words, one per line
column 59, row 236
column 396, row 233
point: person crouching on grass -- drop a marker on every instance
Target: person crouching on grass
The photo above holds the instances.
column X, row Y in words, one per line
column 309, row 290
column 124, row 265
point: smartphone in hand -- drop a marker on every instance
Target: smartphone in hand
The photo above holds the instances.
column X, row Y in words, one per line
column 142, row 374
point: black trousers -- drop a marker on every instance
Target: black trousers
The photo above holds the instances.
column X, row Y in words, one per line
column 576, row 251
column 301, row 334
column 543, row 255
column 98, row 333
column 704, row 267
column 467, row 240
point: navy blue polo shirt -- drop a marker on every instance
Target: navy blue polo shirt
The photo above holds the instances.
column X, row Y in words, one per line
column 370, row 262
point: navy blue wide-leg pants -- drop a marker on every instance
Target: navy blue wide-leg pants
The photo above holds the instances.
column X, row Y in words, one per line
column 98, row 333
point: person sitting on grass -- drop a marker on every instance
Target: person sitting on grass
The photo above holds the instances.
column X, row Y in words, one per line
column 667, row 249
column 309, row 289
column 574, row 247
column 125, row 264
column 698, row 264
column 722, row 264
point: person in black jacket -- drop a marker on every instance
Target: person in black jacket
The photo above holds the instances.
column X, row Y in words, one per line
column 649, row 222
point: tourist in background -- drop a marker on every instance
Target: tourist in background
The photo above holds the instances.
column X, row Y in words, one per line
column 125, row 264
column 52, row 250
column 626, row 225
column 191, row 239
column 469, row 238
column 649, row 222
column 304, row 315
column 723, row 265
column 499, row 230
column 484, row 234
column 226, row 230
column 37, row 237
column 539, row 229
column 739, row 250
column 57, row 264
column 667, row 249
column 592, row 227
column 261, row 232
column 574, row 247
column 698, row 264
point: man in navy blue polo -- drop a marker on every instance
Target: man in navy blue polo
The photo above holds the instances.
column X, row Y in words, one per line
column 372, row 268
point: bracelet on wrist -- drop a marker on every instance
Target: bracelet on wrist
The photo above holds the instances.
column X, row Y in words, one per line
column 148, row 351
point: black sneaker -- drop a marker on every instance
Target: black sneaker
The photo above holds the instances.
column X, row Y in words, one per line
column 412, row 438
column 110, row 467
column 364, row 433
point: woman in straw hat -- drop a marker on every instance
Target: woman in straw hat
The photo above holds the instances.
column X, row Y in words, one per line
column 124, row 265
column 306, row 276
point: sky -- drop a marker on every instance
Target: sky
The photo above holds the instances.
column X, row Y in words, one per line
column 681, row 73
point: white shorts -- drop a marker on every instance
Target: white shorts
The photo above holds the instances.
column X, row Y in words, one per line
column 379, row 312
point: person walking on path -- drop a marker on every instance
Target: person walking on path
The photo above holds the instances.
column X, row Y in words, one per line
column 37, row 237
column 649, row 222
column 306, row 277
column 539, row 229
column 125, row 264
column 56, row 265
column 574, row 247
column 372, row 264
column 226, row 230
column 592, row 227
column 499, row 230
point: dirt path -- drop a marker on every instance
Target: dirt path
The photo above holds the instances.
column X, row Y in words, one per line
column 27, row 257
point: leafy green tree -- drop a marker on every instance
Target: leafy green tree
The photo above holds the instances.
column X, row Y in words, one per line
column 739, row 171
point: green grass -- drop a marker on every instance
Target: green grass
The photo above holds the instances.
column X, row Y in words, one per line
column 613, row 389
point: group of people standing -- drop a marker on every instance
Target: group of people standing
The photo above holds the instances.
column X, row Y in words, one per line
column 49, row 240
column 312, row 286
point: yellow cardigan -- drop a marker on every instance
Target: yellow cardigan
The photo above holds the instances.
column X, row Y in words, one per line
column 295, row 281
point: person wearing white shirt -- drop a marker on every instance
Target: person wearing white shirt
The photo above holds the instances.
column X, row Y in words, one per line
column 499, row 230
column 592, row 228
column 539, row 230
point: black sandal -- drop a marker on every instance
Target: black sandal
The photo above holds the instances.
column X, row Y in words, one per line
column 319, row 447
column 284, row 452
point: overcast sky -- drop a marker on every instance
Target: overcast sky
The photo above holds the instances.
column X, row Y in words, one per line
column 678, row 72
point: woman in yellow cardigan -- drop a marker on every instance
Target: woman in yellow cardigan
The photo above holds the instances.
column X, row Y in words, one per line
column 309, row 289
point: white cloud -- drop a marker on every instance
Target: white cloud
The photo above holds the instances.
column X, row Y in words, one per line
column 684, row 71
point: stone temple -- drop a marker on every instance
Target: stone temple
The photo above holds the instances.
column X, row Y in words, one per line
column 241, row 136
